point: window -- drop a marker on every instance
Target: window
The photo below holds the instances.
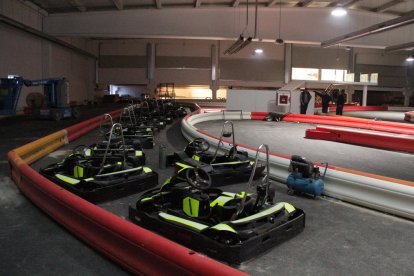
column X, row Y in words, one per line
column 373, row 78
column 305, row 74
column 333, row 75
column 364, row 77
column 350, row 77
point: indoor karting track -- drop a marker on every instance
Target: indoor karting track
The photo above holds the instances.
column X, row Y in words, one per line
column 287, row 139
column 339, row 238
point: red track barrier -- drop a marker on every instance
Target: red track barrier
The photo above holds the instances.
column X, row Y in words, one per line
column 135, row 248
column 377, row 140
column 409, row 116
column 78, row 130
column 359, row 108
column 392, row 127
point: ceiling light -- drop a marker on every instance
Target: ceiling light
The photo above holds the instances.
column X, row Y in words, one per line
column 258, row 51
column 339, row 12
column 410, row 58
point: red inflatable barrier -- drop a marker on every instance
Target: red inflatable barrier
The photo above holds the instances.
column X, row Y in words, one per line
column 392, row 127
column 360, row 108
column 409, row 116
column 76, row 131
column 377, row 140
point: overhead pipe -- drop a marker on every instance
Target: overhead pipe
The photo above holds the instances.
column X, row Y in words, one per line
column 15, row 24
column 399, row 47
column 374, row 29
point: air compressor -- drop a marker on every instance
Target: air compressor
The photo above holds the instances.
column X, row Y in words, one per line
column 304, row 177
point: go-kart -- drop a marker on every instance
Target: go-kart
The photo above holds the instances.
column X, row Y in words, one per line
column 229, row 168
column 116, row 152
column 101, row 179
column 231, row 227
column 132, row 134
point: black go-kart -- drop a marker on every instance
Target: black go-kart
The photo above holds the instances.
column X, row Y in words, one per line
column 134, row 135
column 229, row 168
column 230, row 227
column 114, row 152
column 101, row 179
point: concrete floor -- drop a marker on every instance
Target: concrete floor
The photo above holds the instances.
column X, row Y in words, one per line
column 339, row 238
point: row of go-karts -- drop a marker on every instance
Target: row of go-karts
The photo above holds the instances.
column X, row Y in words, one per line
column 189, row 207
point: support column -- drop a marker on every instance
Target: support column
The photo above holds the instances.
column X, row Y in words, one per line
column 288, row 62
column 349, row 92
column 214, row 71
column 364, row 95
column 151, row 69
column 407, row 94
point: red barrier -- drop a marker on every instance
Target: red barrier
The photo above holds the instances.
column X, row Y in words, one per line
column 376, row 140
column 409, row 116
column 359, row 108
column 392, row 127
column 135, row 248
column 80, row 129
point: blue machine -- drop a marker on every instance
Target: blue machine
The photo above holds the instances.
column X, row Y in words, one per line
column 9, row 94
column 305, row 177
column 55, row 92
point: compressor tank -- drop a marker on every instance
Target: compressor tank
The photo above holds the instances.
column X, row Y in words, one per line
column 311, row 186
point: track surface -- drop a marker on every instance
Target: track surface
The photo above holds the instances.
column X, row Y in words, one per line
column 288, row 138
column 339, row 238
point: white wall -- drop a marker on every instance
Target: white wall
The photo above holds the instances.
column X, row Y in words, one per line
column 35, row 58
column 251, row 100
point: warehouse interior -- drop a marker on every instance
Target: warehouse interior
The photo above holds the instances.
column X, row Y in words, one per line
column 113, row 52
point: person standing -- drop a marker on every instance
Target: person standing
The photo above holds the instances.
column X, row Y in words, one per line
column 340, row 101
column 325, row 100
column 305, row 98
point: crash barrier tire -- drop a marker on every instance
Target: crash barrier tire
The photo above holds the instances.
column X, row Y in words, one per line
column 136, row 249
column 377, row 140
column 409, row 116
column 385, row 194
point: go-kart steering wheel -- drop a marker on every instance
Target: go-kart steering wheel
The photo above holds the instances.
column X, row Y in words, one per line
column 198, row 178
column 201, row 145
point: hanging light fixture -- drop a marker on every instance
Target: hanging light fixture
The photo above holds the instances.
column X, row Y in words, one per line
column 410, row 58
column 339, row 11
column 242, row 42
column 279, row 40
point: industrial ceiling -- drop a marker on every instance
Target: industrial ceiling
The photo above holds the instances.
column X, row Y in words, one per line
column 395, row 7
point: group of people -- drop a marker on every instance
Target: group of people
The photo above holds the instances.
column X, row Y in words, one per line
column 338, row 98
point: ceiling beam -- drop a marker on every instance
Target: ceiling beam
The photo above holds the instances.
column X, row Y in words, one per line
column 272, row 3
column 119, row 4
column 197, row 4
column 338, row 3
column 235, row 3
column 351, row 3
column 303, row 3
column 374, row 29
column 387, row 5
column 399, row 47
column 158, row 3
column 78, row 4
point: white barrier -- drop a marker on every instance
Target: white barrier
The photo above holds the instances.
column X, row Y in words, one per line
column 384, row 194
